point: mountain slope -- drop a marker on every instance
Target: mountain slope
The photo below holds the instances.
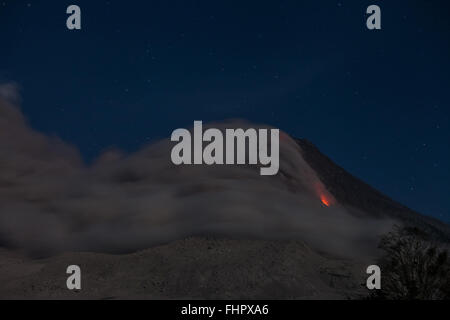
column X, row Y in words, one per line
column 352, row 192
column 221, row 267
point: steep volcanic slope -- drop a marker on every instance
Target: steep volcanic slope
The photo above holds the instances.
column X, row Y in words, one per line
column 352, row 192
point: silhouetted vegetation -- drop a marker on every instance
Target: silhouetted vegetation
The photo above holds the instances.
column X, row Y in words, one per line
column 413, row 267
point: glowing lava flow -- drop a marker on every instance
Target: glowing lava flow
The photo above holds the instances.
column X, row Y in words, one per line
column 323, row 194
column 324, row 200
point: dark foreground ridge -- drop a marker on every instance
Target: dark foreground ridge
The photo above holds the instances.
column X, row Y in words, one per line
column 352, row 192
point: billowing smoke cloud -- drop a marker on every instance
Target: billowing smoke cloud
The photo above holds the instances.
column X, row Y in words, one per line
column 51, row 202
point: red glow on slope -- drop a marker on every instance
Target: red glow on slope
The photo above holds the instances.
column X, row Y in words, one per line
column 324, row 200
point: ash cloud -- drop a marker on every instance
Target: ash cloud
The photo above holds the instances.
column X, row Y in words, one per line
column 51, row 202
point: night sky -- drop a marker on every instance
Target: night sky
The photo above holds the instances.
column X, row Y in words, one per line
column 376, row 102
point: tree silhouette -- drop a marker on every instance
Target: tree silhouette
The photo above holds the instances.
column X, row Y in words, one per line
column 413, row 267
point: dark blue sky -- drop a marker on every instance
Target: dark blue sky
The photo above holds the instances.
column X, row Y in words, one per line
column 376, row 102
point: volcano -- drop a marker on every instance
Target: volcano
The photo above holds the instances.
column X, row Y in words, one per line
column 140, row 227
column 208, row 267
